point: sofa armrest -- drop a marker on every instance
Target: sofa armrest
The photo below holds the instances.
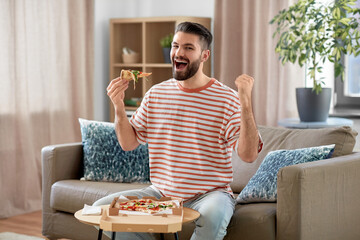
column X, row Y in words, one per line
column 59, row 162
column 319, row 200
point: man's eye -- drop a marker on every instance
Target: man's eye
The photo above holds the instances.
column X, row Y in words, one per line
column 189, row 48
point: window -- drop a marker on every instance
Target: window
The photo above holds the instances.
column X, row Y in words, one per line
column 348, row 92
column 352, row 85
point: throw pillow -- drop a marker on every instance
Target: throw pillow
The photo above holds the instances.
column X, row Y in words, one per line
column 262, row 187
column 104, row 159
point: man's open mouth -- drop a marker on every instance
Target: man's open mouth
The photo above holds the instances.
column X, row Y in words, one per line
column 180, row 64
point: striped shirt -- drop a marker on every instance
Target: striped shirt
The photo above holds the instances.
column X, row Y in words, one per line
column 190, row 135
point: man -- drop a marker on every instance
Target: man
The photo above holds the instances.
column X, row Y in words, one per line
column 191, row 124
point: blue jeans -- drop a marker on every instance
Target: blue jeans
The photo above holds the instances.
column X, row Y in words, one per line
column 216, row 209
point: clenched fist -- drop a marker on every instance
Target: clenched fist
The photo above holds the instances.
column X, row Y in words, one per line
column 245, row 84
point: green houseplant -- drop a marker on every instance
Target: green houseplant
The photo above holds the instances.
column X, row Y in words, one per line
column 310, row 33
column 165, row 43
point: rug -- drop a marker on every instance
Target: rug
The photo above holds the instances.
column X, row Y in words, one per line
column 16, row 236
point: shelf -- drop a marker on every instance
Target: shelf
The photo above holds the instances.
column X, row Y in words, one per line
column 141, row 65
column 158, row 65
column 130, row 108
column 127, row 65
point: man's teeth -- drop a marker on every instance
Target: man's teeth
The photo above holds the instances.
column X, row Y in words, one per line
column 181, row 61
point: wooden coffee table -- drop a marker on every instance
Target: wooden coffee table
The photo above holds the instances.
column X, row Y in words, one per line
column 188, row 216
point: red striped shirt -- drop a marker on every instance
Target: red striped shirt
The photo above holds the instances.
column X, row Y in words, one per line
column 190, row 134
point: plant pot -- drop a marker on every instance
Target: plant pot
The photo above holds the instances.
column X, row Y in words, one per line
column 313, row 107
column 166, row 54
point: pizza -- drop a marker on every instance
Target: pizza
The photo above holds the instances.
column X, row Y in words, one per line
column 133, row 75
column 145, row 205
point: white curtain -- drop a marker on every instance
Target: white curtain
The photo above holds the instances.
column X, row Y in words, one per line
column 46, row 79
column 243, row 43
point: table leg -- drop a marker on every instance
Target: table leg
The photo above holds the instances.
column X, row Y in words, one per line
column 113, row 236
column 162, row 236
column 100, row 234
column 176, row 236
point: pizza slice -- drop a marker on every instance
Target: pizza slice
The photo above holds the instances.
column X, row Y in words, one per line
column 133, row 75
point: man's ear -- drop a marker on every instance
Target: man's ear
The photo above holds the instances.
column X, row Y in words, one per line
column 205, row 55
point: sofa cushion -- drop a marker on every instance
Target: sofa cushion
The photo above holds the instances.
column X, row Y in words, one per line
column 262, row 187
column 71, row 195
column 276, row 138
column 255, row 221
column 104, row 159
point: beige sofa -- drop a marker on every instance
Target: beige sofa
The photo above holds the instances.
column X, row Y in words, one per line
column 315, row 201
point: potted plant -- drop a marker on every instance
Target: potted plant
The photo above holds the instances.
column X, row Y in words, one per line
column 165, row 43
column 310, row 33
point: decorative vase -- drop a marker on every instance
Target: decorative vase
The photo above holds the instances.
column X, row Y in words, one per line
column 131, row 58
column 313, row 107
column 166, row 54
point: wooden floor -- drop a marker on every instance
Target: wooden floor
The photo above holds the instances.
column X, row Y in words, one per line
column 28, row 224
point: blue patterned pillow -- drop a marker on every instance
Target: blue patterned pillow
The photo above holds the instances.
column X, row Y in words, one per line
column 104, row 160
column 262, row 187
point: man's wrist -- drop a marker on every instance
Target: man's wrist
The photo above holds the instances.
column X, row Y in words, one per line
column 120, row 114
column 246, row 107
column 244, row 99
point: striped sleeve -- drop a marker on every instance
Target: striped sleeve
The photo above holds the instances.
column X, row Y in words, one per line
column 232, row 132
column 232, row 129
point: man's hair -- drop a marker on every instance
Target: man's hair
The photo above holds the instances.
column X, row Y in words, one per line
column 204, row 34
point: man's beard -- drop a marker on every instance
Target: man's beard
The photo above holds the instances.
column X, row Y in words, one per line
column 191, row 70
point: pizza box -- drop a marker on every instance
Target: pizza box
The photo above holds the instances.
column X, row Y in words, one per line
column 112, row 220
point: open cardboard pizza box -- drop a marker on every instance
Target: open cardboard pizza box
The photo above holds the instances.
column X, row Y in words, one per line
column 112, row 220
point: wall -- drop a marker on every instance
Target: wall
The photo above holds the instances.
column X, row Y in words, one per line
column 106, row 9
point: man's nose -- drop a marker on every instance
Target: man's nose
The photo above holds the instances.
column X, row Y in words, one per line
column 179, row 52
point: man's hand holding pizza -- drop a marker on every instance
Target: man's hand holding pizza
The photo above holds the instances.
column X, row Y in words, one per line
column 116, row 93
